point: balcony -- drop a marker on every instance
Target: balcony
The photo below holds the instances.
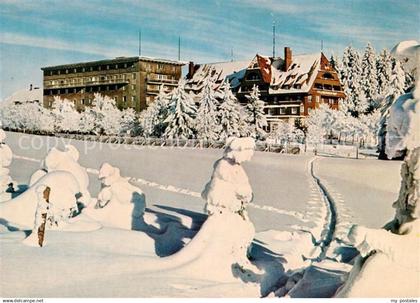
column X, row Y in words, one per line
column 169, row 82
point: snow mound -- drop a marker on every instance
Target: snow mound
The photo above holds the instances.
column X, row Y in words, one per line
column 21, row 210
column 119, row 202
column 229, row 186
column 409, row 53
column 5, row 161
column 57, row 160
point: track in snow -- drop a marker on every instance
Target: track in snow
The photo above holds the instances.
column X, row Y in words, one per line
column 331, row 220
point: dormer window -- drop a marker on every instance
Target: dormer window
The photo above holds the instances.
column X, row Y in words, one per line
column 328, row 76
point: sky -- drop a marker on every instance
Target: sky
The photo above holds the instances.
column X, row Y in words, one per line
column 41, row 33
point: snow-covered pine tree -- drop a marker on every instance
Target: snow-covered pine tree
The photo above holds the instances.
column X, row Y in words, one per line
column 255, row 114
column 384, row 72
column 369, row 80
column 398, row 77
column 229, row 113
column 152, row 120
column 207, row 120
column 351, row 79
column 181, row 114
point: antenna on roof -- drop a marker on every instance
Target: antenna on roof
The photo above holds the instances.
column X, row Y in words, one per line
column 274, row 39
column 231, row 55
column 139, row 42
column 179, row 48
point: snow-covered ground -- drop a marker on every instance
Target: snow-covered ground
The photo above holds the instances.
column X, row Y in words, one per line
column 290, row 211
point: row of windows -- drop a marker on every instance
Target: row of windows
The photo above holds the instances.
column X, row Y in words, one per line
column 89, row 69
column 327, row 87
column 91, row 89
column 89, row 101
column 75, row 81
column 282, row 111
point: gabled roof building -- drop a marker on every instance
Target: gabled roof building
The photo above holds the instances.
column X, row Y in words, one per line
column 290, row 86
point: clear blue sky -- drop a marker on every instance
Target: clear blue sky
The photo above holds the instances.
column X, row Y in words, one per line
column 41, row 33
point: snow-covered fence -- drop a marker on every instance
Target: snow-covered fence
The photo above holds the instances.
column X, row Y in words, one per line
column 287, row 147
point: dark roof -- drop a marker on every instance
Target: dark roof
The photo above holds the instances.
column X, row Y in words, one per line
column 117, row 60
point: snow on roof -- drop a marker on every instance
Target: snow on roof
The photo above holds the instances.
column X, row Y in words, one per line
column 25, row 96
column 116, row 60
column 218, row 72
column 299, row 77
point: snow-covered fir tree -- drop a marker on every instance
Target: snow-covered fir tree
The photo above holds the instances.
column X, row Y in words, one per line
column 368, row 79
column 255, row 114
column 229, row 114
column 153, row 118
column 351, row 79
column 398, row 78
column 181, row 114
column 207, row 120
column 384, row 72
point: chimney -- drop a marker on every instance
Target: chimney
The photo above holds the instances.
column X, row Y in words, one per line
column 30, row 86
column 287, row 58
column 191, row 70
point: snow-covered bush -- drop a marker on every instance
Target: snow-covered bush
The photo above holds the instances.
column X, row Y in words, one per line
column 181, row 114
column 66, row 160
column 106, row 115
column 207, row 120
column 27, row 117
column 256, row 116
column 64, row 189
column 220, row 248
column 5, row 161
column 66, row 117
column 229, row 188
column 286, row 132
column 119, row 202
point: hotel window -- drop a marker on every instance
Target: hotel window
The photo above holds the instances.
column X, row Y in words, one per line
column 123, row 88
column 133, row 87
column 51, row 73
column 74, row 90
column 125, row 99
column 107, row 87
column 83, row 69
column 133, row 99
column 134, row 75
column 91, row 68
column 282, row 110
column 107, row 67
column 74, row 71
column 67, row 71
column 66, row 91
column 83, row 101
column 125, row 65
column 294, row 110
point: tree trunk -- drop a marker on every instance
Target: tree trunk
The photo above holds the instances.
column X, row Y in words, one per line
column 41, row 228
